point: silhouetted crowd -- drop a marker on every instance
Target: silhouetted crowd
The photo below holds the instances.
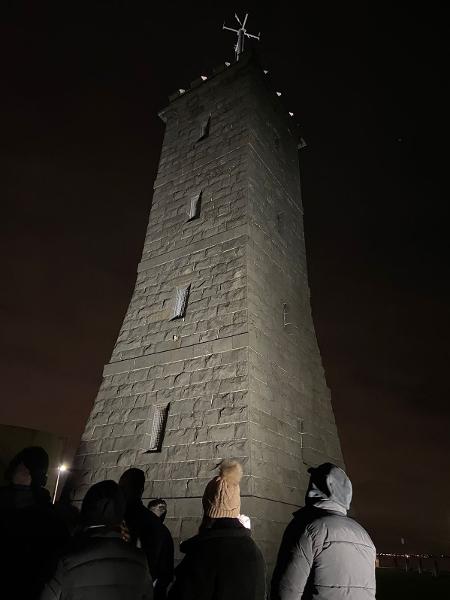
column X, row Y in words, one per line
column 115, row 548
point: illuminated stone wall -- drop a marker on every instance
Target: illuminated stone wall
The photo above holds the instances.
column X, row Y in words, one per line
column 240, row 374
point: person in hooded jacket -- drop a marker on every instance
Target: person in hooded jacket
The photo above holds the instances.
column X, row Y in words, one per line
column 222, row 562
column 325, row 555
column 31, row 533
column 100, row 564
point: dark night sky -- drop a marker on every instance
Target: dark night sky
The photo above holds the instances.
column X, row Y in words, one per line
column 81, row 86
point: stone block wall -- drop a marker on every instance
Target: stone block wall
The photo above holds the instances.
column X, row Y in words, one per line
column 291, row 419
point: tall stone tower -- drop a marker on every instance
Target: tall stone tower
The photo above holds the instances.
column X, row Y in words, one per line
column 217, row 355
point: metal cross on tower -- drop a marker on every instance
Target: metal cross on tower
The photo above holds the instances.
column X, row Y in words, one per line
column 241, row 34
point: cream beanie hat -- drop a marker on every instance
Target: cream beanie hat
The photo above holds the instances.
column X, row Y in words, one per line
column 222, row 497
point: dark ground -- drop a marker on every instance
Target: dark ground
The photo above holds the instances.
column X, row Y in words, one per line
column 397, row 585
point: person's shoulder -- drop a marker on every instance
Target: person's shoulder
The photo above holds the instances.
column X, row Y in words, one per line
column 324, row 518
column 337, row 526
column 191, row 544
column 254, row 546
column 360, row 531
column 85, row 549
column 322, row 522
column 300, row 521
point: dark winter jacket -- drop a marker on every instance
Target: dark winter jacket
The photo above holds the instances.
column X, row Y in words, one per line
column 32, row 537
column 148, row 531
column 101, row 567
column 222, row 563
column 325, row 555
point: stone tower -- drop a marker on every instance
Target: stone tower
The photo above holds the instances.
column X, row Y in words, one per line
column 217, row 355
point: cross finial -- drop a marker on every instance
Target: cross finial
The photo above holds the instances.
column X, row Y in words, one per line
column 241, row 35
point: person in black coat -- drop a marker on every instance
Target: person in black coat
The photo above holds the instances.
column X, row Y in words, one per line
column 222, row 562
column 31, row 533
column 99, row 564
column 148, row 530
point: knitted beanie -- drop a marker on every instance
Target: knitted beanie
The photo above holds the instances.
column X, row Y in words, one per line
column 35, row 459
column 222, row 497
column 103, row 504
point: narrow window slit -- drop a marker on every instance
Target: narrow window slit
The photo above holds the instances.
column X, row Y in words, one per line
column 180, row 303
column 159, row 422
column 204, row 129
column 280, row 223
column 195, row 205
column 285, row 315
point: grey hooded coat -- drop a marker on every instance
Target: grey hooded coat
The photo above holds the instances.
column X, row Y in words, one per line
column 325, row 555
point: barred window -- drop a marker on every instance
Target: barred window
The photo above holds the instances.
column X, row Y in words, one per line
column 194, row 208
column 180, row 302
column 204, row 128
column 158, row 427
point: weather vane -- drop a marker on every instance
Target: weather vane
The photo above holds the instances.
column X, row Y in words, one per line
column 241, row 34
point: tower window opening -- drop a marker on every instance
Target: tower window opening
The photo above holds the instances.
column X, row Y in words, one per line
column 180, row 303
column 280, row 223
column 158, row 427
column 285, row 315
column 194, row 207
column 204, row 129
column 281, row 227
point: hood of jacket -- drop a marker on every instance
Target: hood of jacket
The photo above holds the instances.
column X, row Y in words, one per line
column 329, row 488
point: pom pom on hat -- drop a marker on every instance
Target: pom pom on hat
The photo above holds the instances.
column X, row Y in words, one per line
column 231, row 470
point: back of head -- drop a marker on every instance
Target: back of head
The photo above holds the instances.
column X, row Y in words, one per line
column 132, row 483
column 329, row 482
column 158, row 506
column 35, row 460
column 104, row 504
column 222, row 496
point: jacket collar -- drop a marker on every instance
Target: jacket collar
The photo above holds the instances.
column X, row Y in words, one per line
column 321, row 505
column 330, row 506
column 209, row 534
column 101, row 531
